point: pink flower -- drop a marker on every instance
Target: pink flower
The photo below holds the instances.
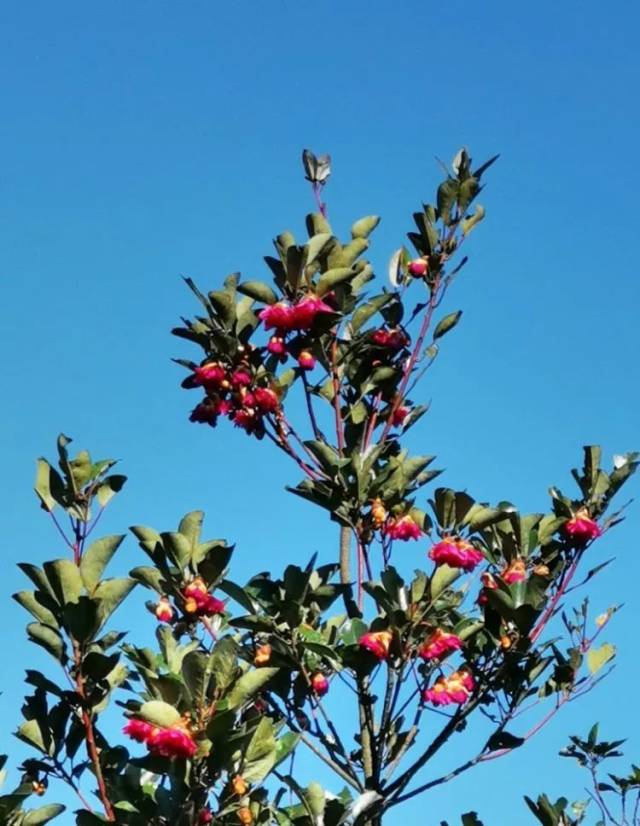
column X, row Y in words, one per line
column 581, row 528
column 306, row 360
column 456, row 552
column 223, row 407
column 304, row 313
column 454, row 689
column 404, row 528
column 199, row 601
column 516, row 571
column 439, row 644
column 266, row 399
column 418, row 267
column 171, row 742
column 164, row 610
column 319, row 684
column 240, row 378
column 209, row 375
column 377, row 642
column 138, row 730
column 277, row 315
column 393, row 339
column 245, row 418
column 276, row 346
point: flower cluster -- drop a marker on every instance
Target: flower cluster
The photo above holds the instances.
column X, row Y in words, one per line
column 456, row 688
column 377, row 643
column 582, row 528
column 456, row 552
column 232, row 393
column 438, row 644
column 285, row 318
column 173, row 742
column 198, row 600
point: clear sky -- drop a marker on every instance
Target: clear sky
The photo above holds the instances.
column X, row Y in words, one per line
column 144, row 140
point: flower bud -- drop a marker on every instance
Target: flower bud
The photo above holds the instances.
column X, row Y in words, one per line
column 262, row 655
column 418, row 267
column 306, row 360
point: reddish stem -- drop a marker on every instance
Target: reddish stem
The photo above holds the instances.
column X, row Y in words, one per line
column 433, row 303
column 550, row 609
column 336, row 394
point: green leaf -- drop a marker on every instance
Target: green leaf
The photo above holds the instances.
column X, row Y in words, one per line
column 109, row 487
column 44, row 814
column 249, row 684
column 447, row 323
column 49, row 485
column 159, row 713
column 224, row 662
column 49, row 639
column 178, row 548
column 81, row 619
column 35, row 603
column 469, row 223
column 599, row 657
column 149, row 577
column 443, row 577
column 365, row 226
column 110, row 593
column 260, row 755
column 369, row 309
column 191, row 526
column 31, row 732
column 258, row 291
column 285, row 745
column 447, row 194
column 316, row 245
column 64, row 577
column 96, row 558
column 331, row 278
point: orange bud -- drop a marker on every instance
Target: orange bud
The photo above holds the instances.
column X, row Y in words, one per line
column 541, row 570
column 190, row 606
column 239, row 785
column 505, row 642
column 263, row 655
column 244, row 816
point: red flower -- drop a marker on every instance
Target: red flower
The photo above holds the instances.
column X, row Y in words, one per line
column 224, row 407
column 319, row 684
column 399, row 415
column 276, row 346
column 418, row 267
column 581, row 528
column 305, row 311
column 456, row 552
column 306, row 360
column 138, row 730
column 393, row 339
column 279, row 315
column 199, row 601
column 516, row 571
column 164, row 610
column 439, row 644
column 454, row 689
column 377, row 642
column 245, row 418
column 404, row 528
column 266, row 399
column 205, row 816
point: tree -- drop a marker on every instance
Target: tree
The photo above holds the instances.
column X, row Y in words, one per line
column 238, row 679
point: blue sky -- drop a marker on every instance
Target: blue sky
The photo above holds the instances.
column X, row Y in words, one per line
column 142, row 141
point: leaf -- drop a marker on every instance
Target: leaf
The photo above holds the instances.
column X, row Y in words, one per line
column 260, row 755
column 471, row 819
column 49, row 485
column 149, row 577
column 285, row 745
column 446, row 324
column 599, row 657
column 258, row 291
column 443, row 577
column 65, row 580
column 332, row 278
column 159, row 713
column 96, row 558
column 469, row 223
column 110, row 593
column 369, row 309
column 447, row 194
column 49, row 639
column 249, row 684
column 178, row 548
column 224, row 662
column 316, row 245
column 365, row 226
column 395, row 267
column 191, row 527
column 109, row 487
column 37, row 817
column 504, row 740
column 35, row 603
